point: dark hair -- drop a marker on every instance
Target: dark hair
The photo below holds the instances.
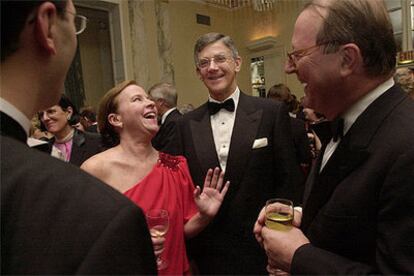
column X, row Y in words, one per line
column 210, row 38
column 64, row 103
column 108, row 105
column 365, row 23
column 281, row 92
column 89, row 113
column 14, row 15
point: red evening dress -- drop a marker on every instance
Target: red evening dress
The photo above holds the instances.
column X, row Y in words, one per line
column 169, row 186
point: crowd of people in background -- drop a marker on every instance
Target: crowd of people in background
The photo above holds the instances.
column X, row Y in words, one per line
column 343, row 154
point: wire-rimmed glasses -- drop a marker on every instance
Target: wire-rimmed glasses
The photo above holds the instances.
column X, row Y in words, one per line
column 218, row 59
column 80, row 22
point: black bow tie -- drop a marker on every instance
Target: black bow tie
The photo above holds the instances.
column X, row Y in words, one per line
column 328, row 130
column 213, row 107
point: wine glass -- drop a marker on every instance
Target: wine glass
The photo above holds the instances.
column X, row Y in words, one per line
column 157, row 220
column 279, row 214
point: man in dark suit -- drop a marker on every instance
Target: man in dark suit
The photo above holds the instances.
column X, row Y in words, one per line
column 249, row 138
column 359, row 198
column 165, row 97
column 88, row 119
column 55, row 219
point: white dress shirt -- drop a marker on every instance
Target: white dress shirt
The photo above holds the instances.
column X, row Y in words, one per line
column 352, row 114
column 16, row 114
column 222, row 124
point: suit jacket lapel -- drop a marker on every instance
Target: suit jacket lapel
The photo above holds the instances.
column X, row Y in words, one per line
column 203, row 141
column 350, row 154
column 245, row 129
column 10, row 127
column 78, row 151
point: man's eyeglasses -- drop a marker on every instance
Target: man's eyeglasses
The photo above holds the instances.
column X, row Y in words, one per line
column 295, row 56
column 80, row 22
column 218, row 59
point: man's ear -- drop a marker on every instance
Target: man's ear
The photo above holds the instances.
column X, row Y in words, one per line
column 351, row 59
column 45, row 20
column 237, row 62
column 115, row 120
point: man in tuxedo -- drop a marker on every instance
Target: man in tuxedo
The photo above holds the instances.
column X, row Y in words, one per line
column 358, row 200
column 55, row 219
column 165, row 97
column 247, row 137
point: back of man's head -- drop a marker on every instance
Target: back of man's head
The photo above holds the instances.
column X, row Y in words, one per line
column 89, row 113
column 165, row 91
column 364, row 23
column 14, row 15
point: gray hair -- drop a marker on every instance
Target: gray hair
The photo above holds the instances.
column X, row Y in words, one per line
column 165, row 91
column 210, row 38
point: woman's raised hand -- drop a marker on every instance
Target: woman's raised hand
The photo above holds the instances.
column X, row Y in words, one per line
column 209, row 200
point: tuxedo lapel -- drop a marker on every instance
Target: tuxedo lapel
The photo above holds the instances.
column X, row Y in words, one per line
column 313, row 176
column 203, row 141
column 245, row 129
column 350, row 154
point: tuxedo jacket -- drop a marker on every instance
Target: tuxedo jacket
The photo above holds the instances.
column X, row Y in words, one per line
column 92, row 128
column 301, row 141
column 358, row 211
column 165, row 134
column 260, row 165
column 56, row 219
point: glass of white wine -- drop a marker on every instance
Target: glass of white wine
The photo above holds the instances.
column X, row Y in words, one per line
column 279, row 214
column 158, row 221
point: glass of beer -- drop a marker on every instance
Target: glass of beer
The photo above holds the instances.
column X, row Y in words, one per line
column 279, row 214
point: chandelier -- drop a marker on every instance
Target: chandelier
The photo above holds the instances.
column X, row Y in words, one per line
column 258, row 5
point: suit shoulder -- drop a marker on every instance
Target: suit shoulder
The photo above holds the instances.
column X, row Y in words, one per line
column 196, row 113
column 36, row 171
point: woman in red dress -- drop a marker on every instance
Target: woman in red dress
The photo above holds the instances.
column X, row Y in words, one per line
column 153, row 180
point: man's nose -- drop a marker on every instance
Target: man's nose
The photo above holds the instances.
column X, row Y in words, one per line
column 212, row 65
column 290, row 67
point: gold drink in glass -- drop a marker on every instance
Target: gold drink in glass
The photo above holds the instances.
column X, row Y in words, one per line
column 157, row 220
column 279, row 214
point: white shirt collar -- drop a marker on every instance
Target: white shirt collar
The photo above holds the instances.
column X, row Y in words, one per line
column 16, row 114
column 235, row 96
column 356, row 109
column 164, row 116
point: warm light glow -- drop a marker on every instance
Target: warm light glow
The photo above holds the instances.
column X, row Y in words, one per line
column 258, row 5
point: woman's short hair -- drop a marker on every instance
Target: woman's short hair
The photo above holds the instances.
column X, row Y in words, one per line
column 108, row 105
column 64, row 103
column 281, row 92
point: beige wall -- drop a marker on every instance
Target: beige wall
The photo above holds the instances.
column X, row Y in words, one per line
column 243, row 25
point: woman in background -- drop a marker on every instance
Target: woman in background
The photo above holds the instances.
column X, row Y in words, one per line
column 68, row 144
column 127, row 121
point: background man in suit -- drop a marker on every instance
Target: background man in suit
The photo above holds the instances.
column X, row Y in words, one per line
column 55, row 219
column 251, row 142
column 88, row 119
column 165, row 97
column 357, row 216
